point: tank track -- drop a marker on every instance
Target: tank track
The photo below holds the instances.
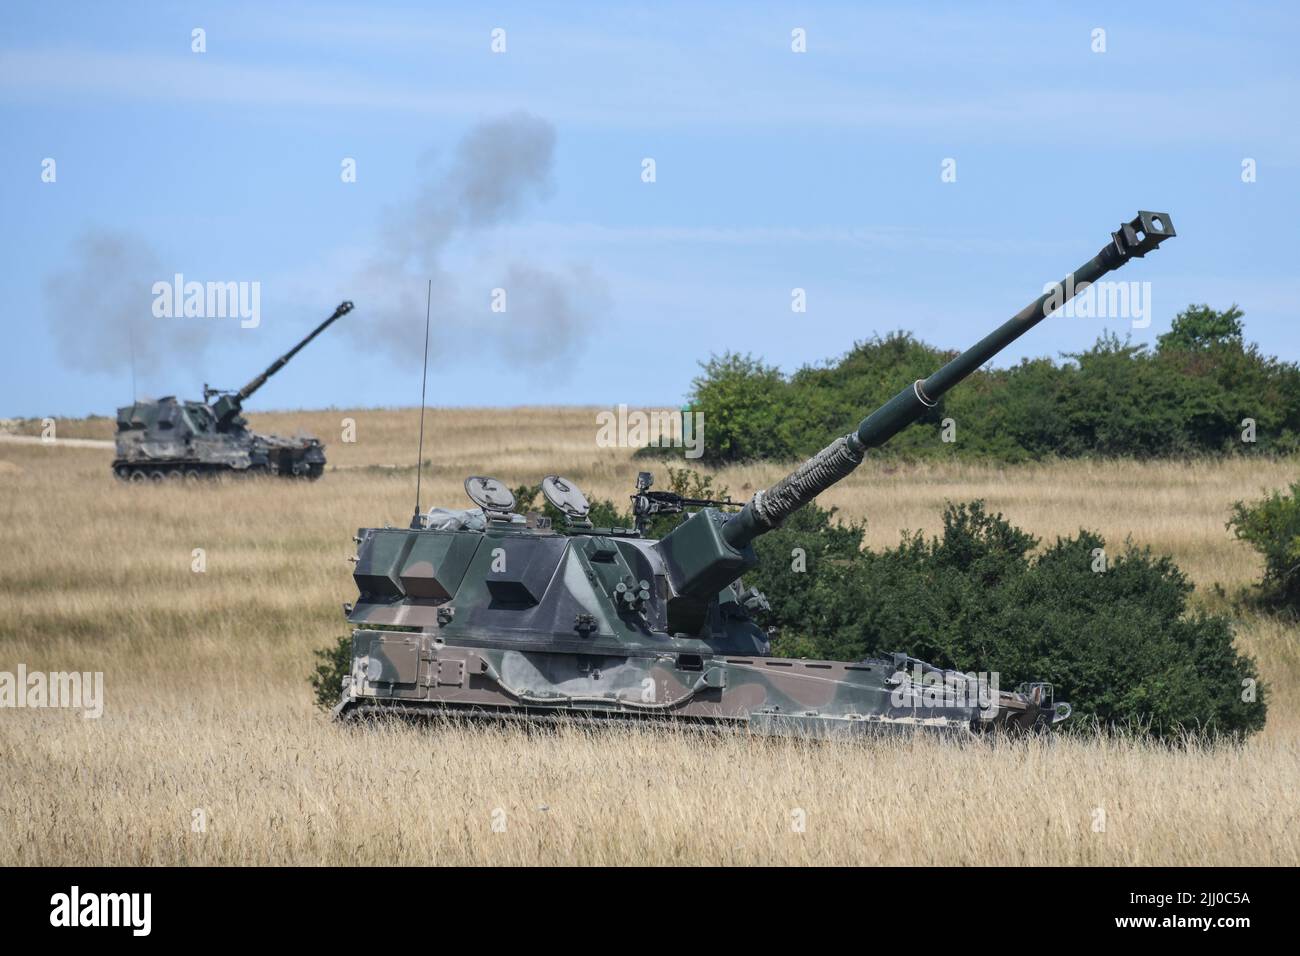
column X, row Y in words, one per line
column 163, row 472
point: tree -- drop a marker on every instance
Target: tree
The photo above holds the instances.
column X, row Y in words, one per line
column 1199, row 327
column 1272, row 527
column 1199, row 392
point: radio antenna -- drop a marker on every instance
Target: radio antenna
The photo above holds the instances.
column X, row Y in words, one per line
column 130, row 334
column 416, row 521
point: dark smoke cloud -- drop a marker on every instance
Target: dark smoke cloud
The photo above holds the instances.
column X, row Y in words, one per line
column 495, row 171
column 548, row 313
column 499, row 165
column 99, row 308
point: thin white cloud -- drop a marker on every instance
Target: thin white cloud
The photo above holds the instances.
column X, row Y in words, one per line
column 553, row 234
column 699, row 99
column 42, row 75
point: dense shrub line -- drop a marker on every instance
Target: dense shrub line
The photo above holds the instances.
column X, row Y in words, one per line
column 1191, row 394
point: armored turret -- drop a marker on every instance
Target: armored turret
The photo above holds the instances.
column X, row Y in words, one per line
column 488, row 612
column 174, row 439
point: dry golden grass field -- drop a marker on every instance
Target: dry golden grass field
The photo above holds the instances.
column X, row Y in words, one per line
column 208, row 706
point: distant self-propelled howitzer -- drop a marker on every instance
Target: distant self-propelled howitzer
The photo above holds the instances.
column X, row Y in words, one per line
column 171, row 439
column 486, row 612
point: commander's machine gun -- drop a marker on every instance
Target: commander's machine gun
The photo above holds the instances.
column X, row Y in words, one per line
column 647, row 504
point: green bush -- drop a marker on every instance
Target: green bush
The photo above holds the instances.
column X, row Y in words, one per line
column 743, row 401
column 1188, row 396
column 333, row 663
column 1121, row 644
column 1272, row 527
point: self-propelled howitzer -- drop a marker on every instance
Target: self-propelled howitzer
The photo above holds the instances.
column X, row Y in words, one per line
column 168, row 438
column 492, row 613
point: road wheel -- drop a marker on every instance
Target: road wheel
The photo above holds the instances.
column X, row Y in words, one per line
column 193, row 476
column 138, row 477
column 174, row 476
column 122, row 473
column 157, row 476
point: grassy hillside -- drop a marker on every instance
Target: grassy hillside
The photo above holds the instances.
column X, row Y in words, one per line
column 208, row 706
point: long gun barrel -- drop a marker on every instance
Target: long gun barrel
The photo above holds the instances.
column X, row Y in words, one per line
column 703, row 561
column 229, row 405
column 769, row 508
column 343, row 309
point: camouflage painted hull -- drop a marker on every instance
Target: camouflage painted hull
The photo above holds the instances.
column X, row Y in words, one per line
column 255, row 455
column 413, row 674
column 514, row 619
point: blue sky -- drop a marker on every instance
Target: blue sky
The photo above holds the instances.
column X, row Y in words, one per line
column 775, row 170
